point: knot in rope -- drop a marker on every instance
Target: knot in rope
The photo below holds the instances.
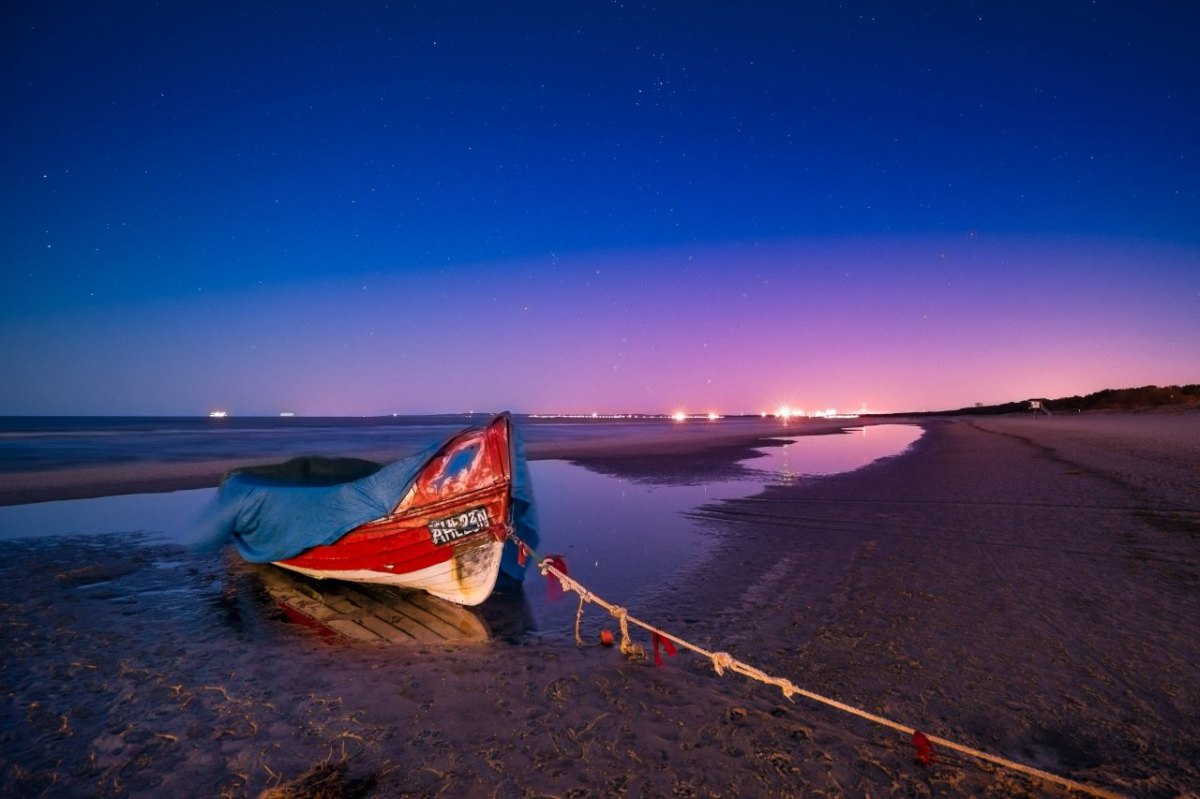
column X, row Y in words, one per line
column 721, row 661
column 628, row 648
column 788, row 689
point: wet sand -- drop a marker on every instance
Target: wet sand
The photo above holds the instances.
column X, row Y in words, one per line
column 1027, row 587
column 722, row 443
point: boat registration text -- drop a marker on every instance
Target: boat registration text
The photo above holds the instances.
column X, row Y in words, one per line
column 460, row 525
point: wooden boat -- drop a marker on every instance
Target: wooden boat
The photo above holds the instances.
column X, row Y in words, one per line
column 445, row 536
column 368, row 613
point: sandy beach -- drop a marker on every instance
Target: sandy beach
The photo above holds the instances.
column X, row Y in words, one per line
column 1026, row 586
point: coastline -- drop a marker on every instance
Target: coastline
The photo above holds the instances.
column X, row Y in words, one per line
column 723, row 442
column 1027, row 587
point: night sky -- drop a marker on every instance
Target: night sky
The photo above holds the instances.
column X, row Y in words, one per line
column 367, row 208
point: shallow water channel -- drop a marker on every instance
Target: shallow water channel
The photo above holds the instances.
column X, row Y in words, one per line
column 620, row 537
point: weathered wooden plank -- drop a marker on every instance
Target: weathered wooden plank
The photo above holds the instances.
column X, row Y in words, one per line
column 352, row 630
column 375, row 613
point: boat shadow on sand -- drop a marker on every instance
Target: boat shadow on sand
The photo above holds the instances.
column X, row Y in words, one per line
column 337, row 610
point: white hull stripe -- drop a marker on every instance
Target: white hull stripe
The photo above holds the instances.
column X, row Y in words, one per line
column 468, row 583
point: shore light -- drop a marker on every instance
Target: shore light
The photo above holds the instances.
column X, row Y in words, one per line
column 679, row 416
column 712, row 416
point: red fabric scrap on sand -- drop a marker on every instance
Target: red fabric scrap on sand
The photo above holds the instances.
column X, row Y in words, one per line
column 925, row 753
column 554, row 588
column 665, row 643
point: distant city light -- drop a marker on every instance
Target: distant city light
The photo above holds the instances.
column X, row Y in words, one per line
column 597, row 415
column 787, row 412
column 679, row 416
column 712, row 416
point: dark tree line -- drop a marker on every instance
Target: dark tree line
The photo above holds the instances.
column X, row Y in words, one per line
column 1109, row 399
column 1130, row 399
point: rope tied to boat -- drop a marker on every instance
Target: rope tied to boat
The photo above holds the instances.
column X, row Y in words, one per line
column 629, row 649
column 724, row 661
column 720, row 662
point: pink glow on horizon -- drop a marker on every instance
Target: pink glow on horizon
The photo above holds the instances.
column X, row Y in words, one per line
column 899, row 325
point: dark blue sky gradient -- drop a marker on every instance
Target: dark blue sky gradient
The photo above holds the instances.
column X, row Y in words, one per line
column 605, row 183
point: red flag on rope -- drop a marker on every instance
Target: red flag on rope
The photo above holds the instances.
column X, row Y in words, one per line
column 665, row 643
column 554, row 588
column 925, row 753
column 522, row 554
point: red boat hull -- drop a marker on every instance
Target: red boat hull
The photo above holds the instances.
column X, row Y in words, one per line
column 445, row 536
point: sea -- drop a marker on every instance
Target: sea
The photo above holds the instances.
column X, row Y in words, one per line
column 620, row 533
column 63, row 442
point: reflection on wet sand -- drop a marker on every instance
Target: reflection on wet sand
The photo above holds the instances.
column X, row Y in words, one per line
column 369, row 613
